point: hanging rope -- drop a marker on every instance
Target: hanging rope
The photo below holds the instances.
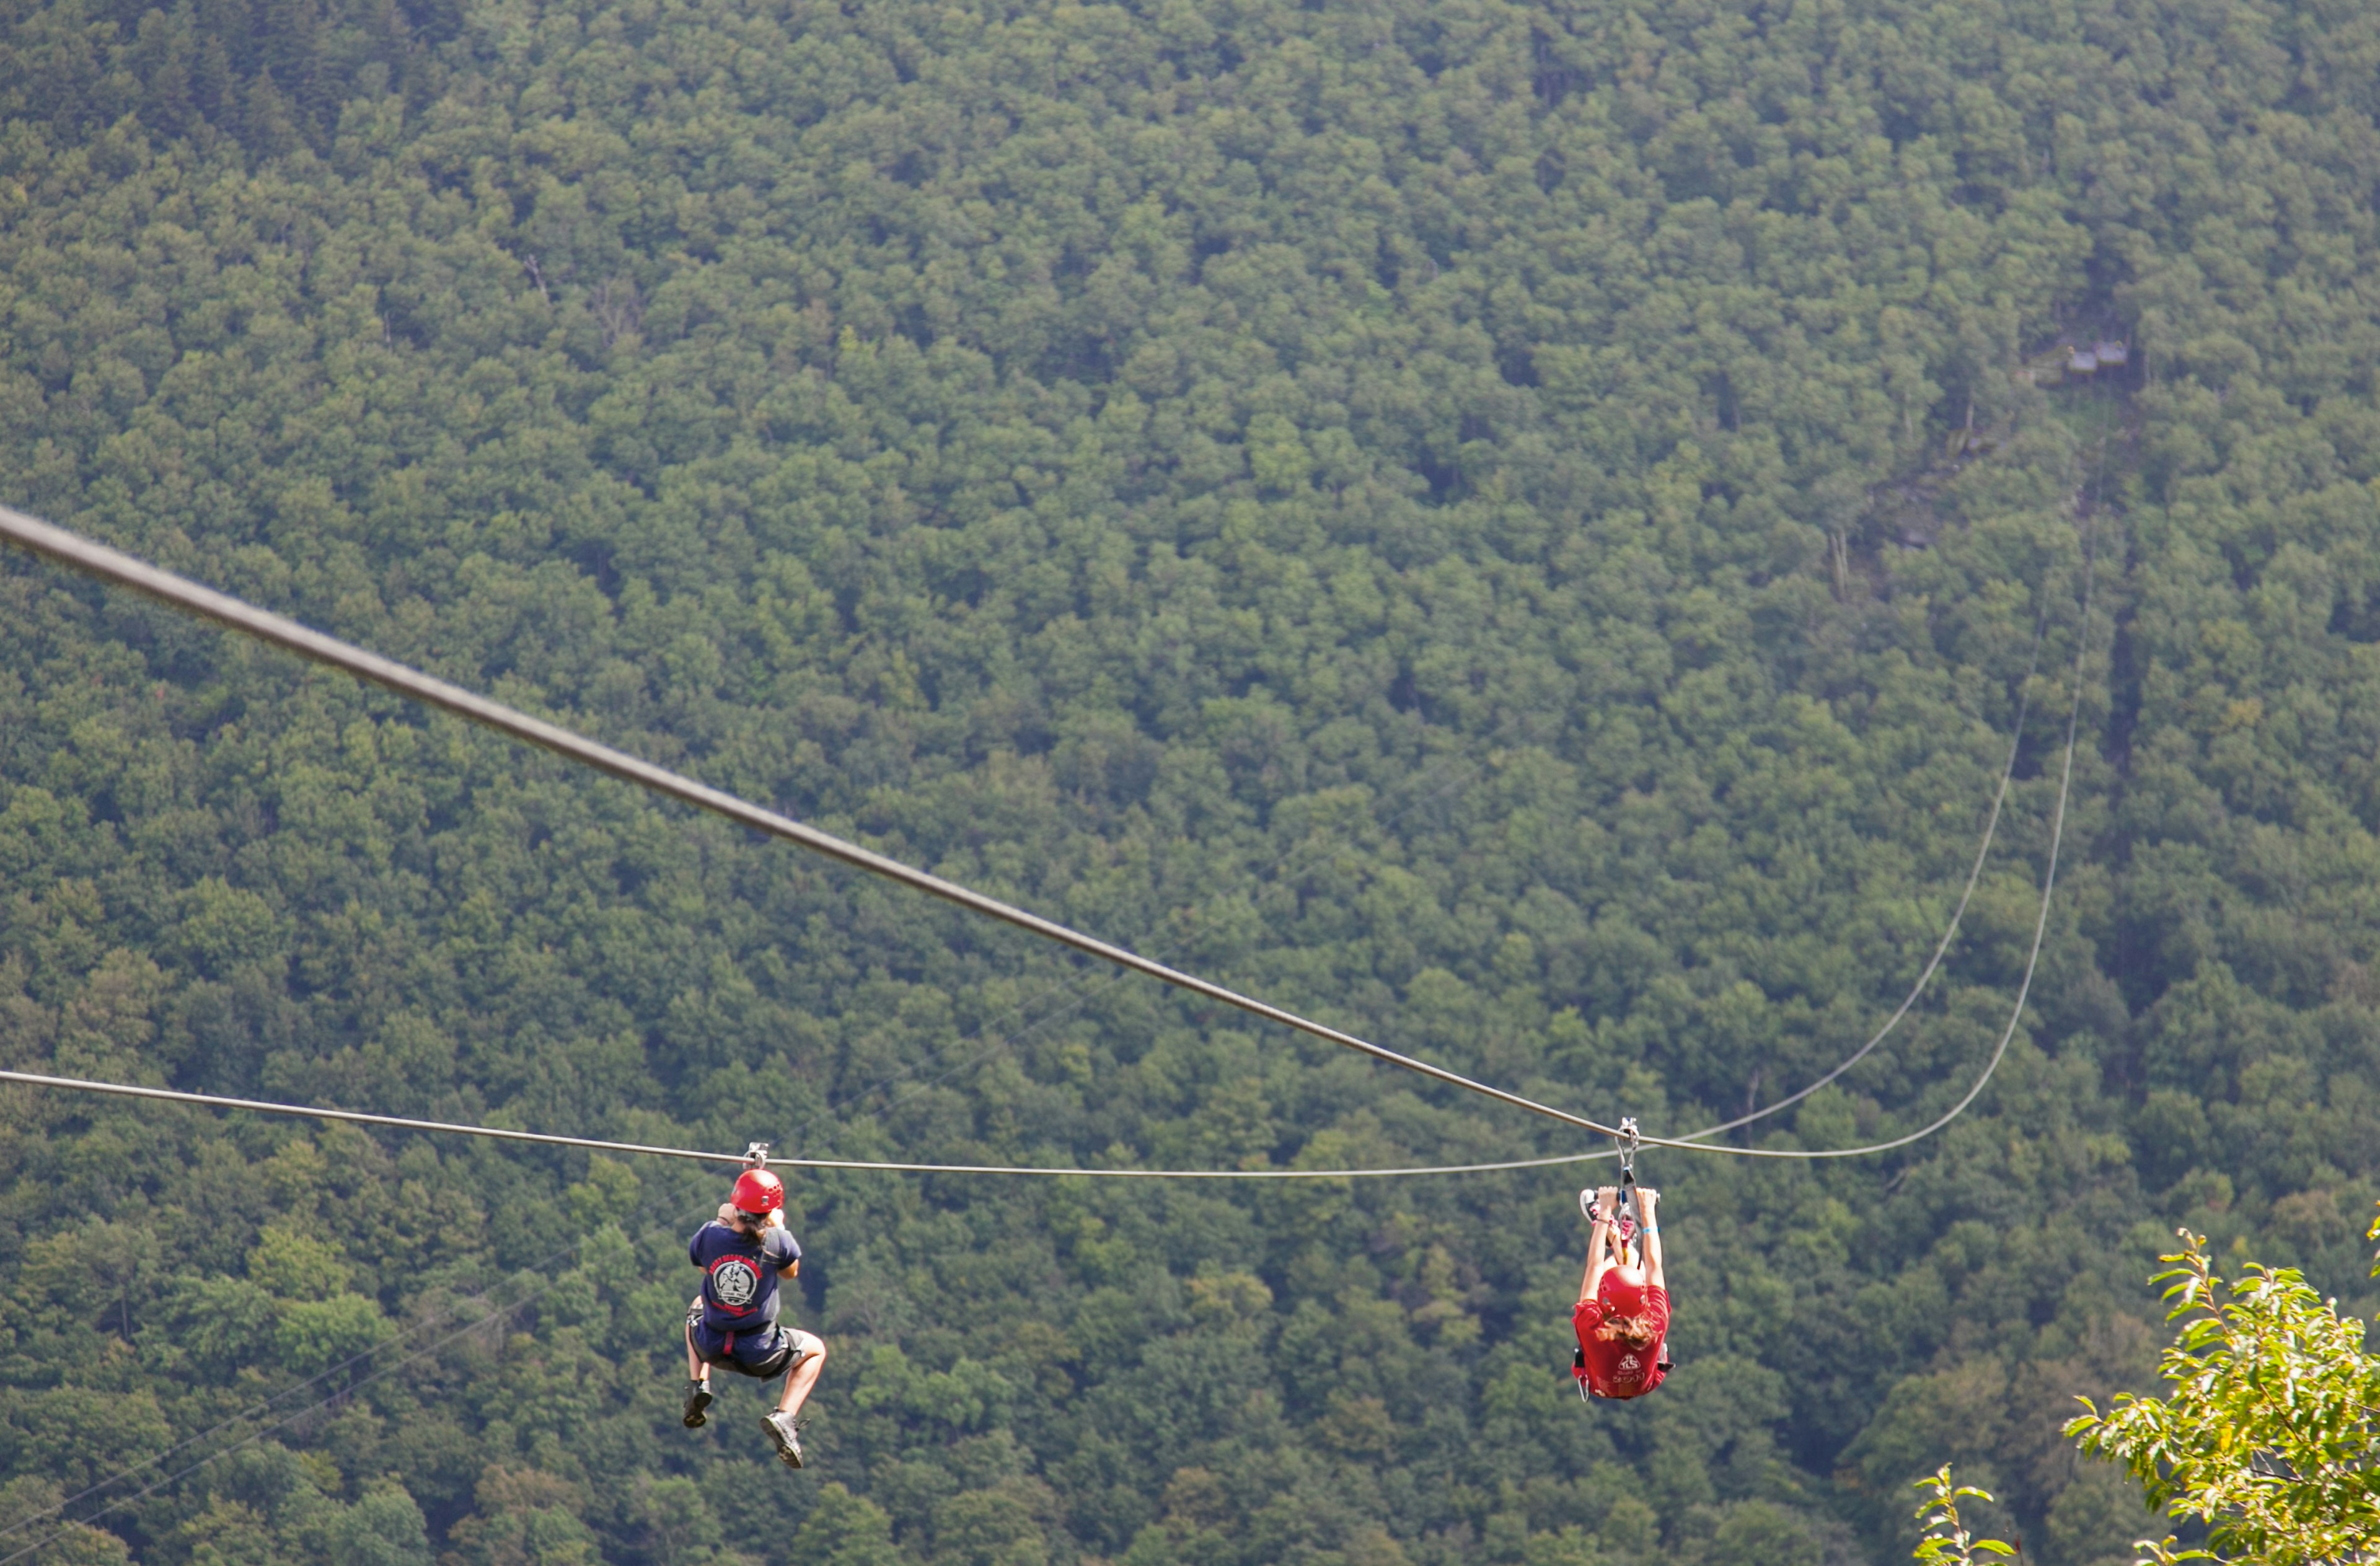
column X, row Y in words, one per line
column 1958, row 913
column 2032, row 962
column 115, row 566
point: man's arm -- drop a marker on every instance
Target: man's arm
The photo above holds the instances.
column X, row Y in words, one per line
column 1648, row 1202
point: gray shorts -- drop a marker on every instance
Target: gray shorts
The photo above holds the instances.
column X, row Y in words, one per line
column 764, row 1356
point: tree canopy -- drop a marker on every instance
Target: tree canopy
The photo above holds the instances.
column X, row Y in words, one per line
column 1521, row 528
column 2265, row 1439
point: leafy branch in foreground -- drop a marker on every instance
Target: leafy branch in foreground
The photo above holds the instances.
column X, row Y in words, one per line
column 2269, row 1434
column 1947, row 1540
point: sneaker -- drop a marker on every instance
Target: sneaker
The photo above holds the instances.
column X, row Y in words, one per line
column 1586, row 1205
column 786, row 1431
column 698, row 1398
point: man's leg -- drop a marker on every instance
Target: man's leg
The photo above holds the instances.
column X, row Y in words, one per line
column 698, row 1374
column 802, row 1377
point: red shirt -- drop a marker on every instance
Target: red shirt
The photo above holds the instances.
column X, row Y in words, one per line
column 1613, row 1370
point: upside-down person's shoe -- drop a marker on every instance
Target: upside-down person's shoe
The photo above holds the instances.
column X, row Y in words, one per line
column 698, row 1398
column 1621, row 1224
column 786, row 1431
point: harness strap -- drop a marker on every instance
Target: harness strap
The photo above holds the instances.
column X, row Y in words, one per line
column 1629, row 1140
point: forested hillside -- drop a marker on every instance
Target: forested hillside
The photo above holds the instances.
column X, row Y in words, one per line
column 1520, row 528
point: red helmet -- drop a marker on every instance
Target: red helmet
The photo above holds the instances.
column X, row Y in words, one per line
column 757, row 1192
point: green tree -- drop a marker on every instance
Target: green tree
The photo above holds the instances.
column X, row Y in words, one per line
column 1948, row 1540
column 2268, row 1435
column 843, row 1529
column 1519, row 524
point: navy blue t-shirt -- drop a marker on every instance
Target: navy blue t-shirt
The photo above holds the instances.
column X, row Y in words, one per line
column 739, row 1275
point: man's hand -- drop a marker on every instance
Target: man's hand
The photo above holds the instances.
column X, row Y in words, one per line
column 1607, row 1202
column 1646, row 1199
column 727, row 1212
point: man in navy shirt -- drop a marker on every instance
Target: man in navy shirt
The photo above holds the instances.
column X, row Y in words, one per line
column 734, row 1321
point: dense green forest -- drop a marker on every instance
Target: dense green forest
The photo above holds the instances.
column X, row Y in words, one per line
column 1519, row 528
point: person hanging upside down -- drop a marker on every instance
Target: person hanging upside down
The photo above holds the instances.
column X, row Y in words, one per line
column 1622, row 1316
column 732, row 1323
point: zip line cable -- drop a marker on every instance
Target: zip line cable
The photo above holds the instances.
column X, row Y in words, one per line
column 1958, row 913
column 695, row 1155
column 115, row 566
column 1070, row 996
